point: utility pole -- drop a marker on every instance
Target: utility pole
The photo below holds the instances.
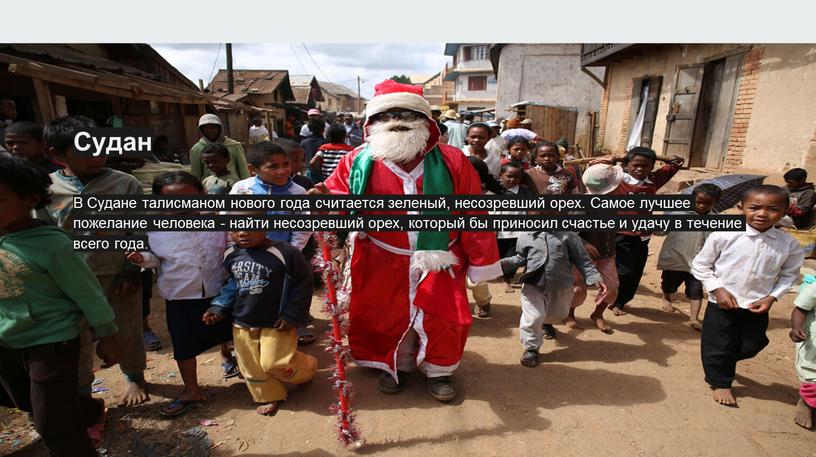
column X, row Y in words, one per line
column 359, row 99
column 230, row 79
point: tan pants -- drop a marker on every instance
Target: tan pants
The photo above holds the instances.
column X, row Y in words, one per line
column 128, row 312
column 481, row 294
column 267, row 358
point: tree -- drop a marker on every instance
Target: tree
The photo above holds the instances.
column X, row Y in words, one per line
column 401, row 79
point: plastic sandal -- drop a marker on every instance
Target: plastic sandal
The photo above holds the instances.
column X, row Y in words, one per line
column 305, row 335
column 151, row 341
column 96, row 432
column 230, row 369
column 177, row 407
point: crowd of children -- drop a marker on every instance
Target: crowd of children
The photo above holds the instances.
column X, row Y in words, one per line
column 254, row 289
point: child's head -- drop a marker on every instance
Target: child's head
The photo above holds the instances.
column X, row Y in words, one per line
column 705, row 197
column 794, row 178
column 546, row 155
column 764, row 206
column 25, row 139
column 518, row 147
column 216, row 157
column 177, row 183
column 317, row 126
column 295, row 152
column 59, row 136
column 247, row 239
column 23, row 187
column 336, row 133
column 511, row 174
column 478, row 134
column 481, row 170
column 269, row 162
column 639, row 162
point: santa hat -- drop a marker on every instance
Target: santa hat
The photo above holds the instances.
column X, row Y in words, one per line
column 390, row 94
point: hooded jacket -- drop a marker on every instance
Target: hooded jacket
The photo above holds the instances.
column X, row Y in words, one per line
column 46, row 289
column 237, row 164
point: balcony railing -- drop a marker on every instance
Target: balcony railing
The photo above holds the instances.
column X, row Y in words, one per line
column 593, row 52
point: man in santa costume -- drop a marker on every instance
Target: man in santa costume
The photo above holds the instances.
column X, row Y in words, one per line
column 409, row 305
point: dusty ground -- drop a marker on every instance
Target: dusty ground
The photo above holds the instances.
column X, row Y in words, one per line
column 638, row 392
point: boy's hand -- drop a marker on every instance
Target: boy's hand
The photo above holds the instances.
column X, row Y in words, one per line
column 725, row 300
column 762, row 306
column 797, row 335
column 677, row 160
column 211, row 318
column 134, row 257
column 283, row 325
column 109, row 350
column 591, row 250
column 128, row 282
column 318, row 189
column 602, row 289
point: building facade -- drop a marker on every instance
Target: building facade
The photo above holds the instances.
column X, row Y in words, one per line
column 473, row 77
column 548, row 75
column 723, row 107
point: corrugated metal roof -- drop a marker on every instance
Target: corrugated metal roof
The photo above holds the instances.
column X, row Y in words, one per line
column 63, row 54
column 337, row 89
column 253, row 82
column 301, row 80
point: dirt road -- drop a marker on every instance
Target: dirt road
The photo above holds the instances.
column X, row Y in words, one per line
column 637, row 392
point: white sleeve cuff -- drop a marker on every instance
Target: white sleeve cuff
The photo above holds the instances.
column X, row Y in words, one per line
column 712, row 284
column 481, row 273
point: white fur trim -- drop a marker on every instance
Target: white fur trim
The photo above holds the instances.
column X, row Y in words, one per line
column 484, row 272
column 433, row 260
column 405, row 100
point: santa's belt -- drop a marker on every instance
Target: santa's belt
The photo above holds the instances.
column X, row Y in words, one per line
column 394, row 249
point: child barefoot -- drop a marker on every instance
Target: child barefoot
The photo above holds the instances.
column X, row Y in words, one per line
column 679, row 249
column 42, row 276
column 274, row 293
column 803, row 332
column 189, row 275
column 744, row 274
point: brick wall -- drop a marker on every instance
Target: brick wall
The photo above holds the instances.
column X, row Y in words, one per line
column 624, row 133
column 599, row 142
column 742, row 112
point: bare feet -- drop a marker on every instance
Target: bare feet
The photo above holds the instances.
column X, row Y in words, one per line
column 667, row 307
column 601, row 324
column 268, row 409
column 135, row 394
column 617, row 311
column 725, row 397
column 804, row 415
column 695, row 324
column 571, row 323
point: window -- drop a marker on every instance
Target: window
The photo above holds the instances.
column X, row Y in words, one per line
column 473, row 53
column 477, row 83
column 478, row 53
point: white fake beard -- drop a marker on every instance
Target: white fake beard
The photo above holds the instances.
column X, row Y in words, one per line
column 396, row 145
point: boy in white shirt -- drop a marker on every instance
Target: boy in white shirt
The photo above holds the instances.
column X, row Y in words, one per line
column 744, row 274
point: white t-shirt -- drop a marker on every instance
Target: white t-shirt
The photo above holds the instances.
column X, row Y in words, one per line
column 492, row 161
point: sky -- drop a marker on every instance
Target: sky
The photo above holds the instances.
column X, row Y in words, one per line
column 337, row 63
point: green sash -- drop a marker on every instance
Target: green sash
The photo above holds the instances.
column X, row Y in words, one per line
column 436, row 180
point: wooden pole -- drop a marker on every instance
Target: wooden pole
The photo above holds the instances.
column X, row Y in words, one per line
column 44, row 100
column 230, row 80
column 359, row 98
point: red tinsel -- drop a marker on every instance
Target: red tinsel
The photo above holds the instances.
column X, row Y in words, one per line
column 347, row 431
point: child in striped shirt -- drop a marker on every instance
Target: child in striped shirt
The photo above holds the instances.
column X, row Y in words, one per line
column 329, row 154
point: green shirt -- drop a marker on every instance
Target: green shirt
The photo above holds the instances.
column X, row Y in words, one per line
column 237, row 164
column 46, row 288
column 806, row 350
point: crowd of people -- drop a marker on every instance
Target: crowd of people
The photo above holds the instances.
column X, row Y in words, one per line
column 249, row 293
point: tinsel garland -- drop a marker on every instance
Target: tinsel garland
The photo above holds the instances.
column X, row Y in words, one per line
column 347, row 431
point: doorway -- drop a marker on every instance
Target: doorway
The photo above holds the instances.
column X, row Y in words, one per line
column 701, row 111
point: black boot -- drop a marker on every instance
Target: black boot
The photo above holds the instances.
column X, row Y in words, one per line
column 388, row 385
column 442, row 388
